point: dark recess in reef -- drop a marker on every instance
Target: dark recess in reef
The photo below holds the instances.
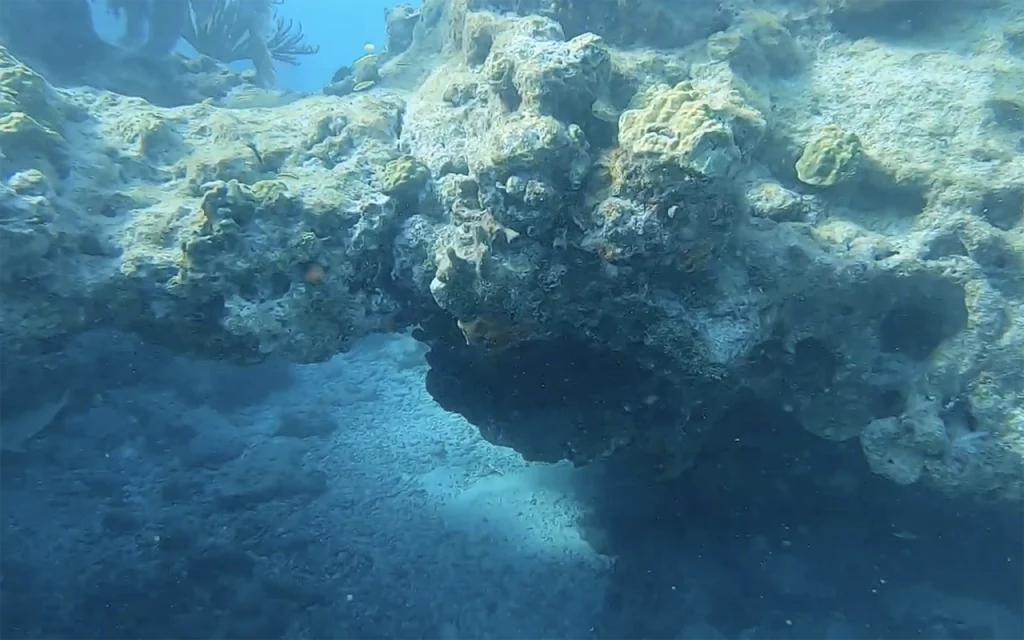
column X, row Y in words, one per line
column 916, row 328
column 548, row 399
column 892, row 20
column 761, row 476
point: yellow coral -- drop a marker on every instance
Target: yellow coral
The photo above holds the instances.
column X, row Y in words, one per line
column 832, row 156
column 403, row 177
column 685, row 126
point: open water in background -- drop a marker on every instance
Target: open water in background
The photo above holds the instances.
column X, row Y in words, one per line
column 341, row 28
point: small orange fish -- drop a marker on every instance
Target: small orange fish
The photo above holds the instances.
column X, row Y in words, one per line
column 315, row 273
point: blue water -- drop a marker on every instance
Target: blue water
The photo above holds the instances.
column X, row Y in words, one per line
column 341, row 29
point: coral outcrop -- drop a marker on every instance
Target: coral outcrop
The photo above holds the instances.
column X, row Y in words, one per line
column 840, row 233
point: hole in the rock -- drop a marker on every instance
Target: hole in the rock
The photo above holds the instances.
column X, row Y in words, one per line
column 958, row 416
column 943, row 246
column 814, row 364
column 916, row 328
column 1003, row 209
column 550, row 400
column 479, row 46
column 280, row 284
column 911, row 329
column 509, row 95
column 760, row 472
column 1007, row 113
column 600, row 134
column 888, row 403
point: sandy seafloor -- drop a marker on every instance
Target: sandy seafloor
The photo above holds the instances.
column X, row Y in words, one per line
column 338, row 500
column 402, row 522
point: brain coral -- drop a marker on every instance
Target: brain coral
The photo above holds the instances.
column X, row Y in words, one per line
column 682, row 125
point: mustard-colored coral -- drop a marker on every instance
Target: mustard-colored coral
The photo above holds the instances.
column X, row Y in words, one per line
column 685, row 126
column 403, row 177
column 832, row 156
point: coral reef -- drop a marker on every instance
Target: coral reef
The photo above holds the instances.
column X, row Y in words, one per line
column 529, row 182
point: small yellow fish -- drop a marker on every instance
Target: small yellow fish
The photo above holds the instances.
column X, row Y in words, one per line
column 369, row 48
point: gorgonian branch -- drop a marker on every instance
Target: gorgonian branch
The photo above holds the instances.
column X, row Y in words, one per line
column 225, row 34
column 286, row 42
column 222, row 35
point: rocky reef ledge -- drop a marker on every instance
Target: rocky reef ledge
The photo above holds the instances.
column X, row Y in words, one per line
column 786, row 204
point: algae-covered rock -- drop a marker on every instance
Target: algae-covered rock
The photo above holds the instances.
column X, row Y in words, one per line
column 22, row 89
column 531, row 141
column 756, row 42
column 362, row 75
column 634, row 23
column 21, row 134
column 548, row 75
column 150, row 135
column 899, row 448
column 31, row 118
column 772, row 200
column 401, row 22
column 832, row 156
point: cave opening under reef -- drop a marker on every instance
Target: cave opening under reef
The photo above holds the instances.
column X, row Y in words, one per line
column 800, row 524
column 804, row 527
column 549, row 400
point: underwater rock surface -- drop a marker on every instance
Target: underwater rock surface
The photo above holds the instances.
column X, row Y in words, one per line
column 780, row 204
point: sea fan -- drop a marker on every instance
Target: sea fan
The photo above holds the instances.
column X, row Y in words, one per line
column 286, row 42
column 223, row 31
